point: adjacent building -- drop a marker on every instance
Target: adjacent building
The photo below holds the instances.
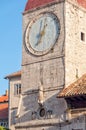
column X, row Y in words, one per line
column 14, row 96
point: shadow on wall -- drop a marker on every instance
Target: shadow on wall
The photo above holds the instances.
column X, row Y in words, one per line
column 30, row 109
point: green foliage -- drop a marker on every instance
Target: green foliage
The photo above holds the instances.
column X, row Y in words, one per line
column 2, row 128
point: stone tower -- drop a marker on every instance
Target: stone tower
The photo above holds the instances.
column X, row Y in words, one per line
column 53, row 56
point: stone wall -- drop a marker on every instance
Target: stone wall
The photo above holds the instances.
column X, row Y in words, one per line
column 75, row 54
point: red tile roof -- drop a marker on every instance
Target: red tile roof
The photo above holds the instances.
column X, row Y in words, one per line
column 31, row 4
column 3, row 111
column 75, row 89
column 82, row 3
column 3, row 98
column 15, row 74
column 3, row 107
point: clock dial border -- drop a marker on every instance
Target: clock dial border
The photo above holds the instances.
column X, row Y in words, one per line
column 27, row 44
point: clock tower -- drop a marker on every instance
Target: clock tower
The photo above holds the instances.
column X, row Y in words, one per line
column 43, row 61
column 50, row 60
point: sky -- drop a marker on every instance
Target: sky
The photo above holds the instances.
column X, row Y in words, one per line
column 10, row 39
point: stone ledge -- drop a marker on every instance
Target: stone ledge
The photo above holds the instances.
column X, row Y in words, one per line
column 41, row 123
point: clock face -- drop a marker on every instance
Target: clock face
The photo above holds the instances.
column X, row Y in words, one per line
column 42, row 33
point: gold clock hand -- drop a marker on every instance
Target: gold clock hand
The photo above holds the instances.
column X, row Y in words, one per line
column 42, row 33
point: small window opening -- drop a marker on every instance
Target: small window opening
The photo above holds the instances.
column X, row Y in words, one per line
column 17, row 89
column 82, row 36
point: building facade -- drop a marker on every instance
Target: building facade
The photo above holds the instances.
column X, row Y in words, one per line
column 14, row 96
column 53, row 57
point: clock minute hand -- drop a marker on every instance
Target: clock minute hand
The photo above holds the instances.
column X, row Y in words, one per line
column 39, row 35
column 42, row 33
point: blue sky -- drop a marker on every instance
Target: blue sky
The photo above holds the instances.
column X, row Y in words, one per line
column 10, row 39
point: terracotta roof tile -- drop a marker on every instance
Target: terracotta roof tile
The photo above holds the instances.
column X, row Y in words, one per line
column 15, row 74
column 82, row 3
column 3, row 98
column 74, row 89
column 31, row 4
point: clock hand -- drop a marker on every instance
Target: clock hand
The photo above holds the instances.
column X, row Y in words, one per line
column 42, row 33
column 40, row 25
column 43, row 30
column 39, row 35
column 39, row 40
